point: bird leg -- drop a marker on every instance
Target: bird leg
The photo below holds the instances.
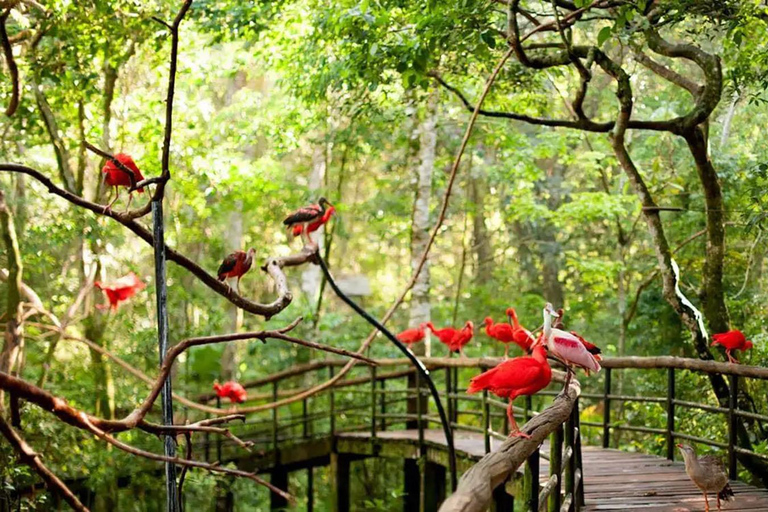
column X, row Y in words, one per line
column 108, row 208
column 730, row 357
column 718, row 502
column 506, row 351
column 130, row 198
column 568, row 375
column 514, row 429
column 238, row 285
column 706, row 503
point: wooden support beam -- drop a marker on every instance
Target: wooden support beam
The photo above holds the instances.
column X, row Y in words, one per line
column 411, row 485
column 433, row 483
column 278, row 478
column 340, row 482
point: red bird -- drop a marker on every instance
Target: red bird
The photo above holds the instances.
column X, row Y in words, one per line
column 411, row 336
column 236, row 265
column 306, row 216
column 232, row 390
column 116, row 177
column 591, row 347
column 505, row 333
column 525, row 375
column 523, row 336
column 732, row 340
column 299, row 228
column 120, row 290
column 453, row 338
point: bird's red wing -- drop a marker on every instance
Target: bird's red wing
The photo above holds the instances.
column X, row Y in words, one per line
column 306, row 214
column 510, row 375
column 730, row 339
column 227, row 266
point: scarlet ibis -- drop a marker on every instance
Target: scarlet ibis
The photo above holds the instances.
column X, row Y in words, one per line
column 503, row 332
column 306, row 216
column 708, row 473
column 120, row 290
column 454, row 339
column 732, row 340
column 236, row 265
column 526, row 375
column 314, row 226
column 116, row 177
column 523, row 336
column 411, row 336
column 232, row 390
column 568, row 348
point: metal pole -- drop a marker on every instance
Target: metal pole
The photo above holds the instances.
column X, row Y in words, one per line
column 607, row 410
column 733, row 469
column 172, row 500
column 671, row 414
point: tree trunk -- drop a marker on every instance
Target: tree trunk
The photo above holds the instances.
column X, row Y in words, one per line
column 234, row 235
column 13, row 344
column 481, row 241
column 549, row 248
column 311, row 275
column 420, row 305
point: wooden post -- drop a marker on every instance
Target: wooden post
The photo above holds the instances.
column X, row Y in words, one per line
column 310, row 489
column 340, row 483
column 671, row 414
column 332, row 405
column 607, row 410
column 532, row 481
column 733, row 469
column 556, row 467
column 278, row 478
column 434, row 486
column 570, row 442
column 411, row 485
column 486, row 422
column 502, row 500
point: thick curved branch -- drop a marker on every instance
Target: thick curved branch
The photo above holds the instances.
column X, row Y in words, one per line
column 13, row 69
column 669, row 74
column 274, row 266
column 32, row 459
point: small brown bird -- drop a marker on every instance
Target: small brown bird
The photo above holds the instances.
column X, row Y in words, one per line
column 708, row 473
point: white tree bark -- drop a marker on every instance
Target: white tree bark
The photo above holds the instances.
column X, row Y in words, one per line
column 310, row 276
column 427, row 130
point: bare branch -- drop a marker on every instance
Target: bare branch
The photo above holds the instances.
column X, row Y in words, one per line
column 13, row 69
column 29, row 457
column 668, row 74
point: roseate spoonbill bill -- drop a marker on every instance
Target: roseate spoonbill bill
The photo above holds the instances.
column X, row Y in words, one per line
column 708, row 473
column 236, row 265
column 306, row 216
column 591, row 347
column 116, row 177
column 120, row 290
column 232, row 390
column 526, row 375
column 314, row 226
column 732, row 340
column 523, row 336
column 566, row 347
column 411, row 336
column 502, row 332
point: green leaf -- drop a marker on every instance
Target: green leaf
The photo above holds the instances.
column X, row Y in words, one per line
column 604, row 35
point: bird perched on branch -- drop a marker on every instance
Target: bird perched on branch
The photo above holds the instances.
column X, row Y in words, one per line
column 236, row 265
column 453, row 338
column 526, row 375
column 732, row 340
column 298, row 229
column 116, row 177
column 232, row 390
column 307, row 216
column 708, row 473
column 523, row 336
column 567, row 347
column 411, row 336
column 120, row 290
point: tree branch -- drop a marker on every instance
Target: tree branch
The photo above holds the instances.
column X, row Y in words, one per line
column 13, row 69
column 669, row 74
column 29, row 457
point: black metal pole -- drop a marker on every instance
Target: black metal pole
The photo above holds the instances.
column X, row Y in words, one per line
column 418, row 364
column 172, row 501
column 733, row 469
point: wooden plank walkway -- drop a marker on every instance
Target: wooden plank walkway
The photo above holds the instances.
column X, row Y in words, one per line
column 613, row 480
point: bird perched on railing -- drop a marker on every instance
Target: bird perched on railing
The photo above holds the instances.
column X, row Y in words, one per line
column 591, row 347
column 732, row 340
column 236, row 265
column 120, row 290
column 502, row 332
column 454, row 339
column 411, row 336
column 308, row 215
column 523, row 336
column 567, row 347
column 708, row 473
column 232, row 390
column 526, row 375
column 116, row 177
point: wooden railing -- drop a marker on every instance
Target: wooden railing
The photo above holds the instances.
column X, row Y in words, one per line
column 392, row 396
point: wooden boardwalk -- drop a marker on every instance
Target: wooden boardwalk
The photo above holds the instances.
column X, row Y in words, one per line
column 613, row 480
